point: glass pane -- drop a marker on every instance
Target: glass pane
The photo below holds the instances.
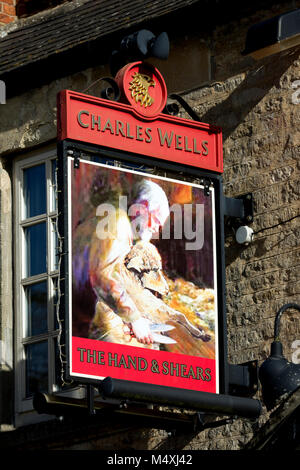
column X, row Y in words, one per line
column 36, row 309
column 55, row 300
column 53, row 185
column 35, row 241
column 35, row 190
column 58, row 368
column 54, row 248
column 36, row 368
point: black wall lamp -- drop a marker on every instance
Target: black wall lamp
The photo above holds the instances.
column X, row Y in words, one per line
column 144, row 44
column 139, row 46
column 273, row 35
column 277, row 375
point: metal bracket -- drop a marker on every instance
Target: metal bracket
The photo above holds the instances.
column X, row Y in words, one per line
column 172, row 108
column 111, row 93
column 243, row 379
column 239, row 211
column 90, row 399
column 182, row 398
column 76, row 155
column 201, row 422
column 207, row 184
column 174, row 422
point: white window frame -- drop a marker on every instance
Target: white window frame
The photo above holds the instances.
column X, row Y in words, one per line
column 24, row 411
column 24, row 404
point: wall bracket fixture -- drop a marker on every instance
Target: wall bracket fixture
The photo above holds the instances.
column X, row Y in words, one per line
column 93, row 409
column 239, row 210
column 111, row 92
column 273, row 35
column 139, row 46
column 173, row 108
column 180, row 398
column 243, row 379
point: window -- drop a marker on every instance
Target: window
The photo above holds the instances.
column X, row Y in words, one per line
column 36, row 275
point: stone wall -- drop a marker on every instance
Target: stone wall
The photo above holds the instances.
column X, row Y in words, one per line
column 6, row 312
column 258, row 108
column 257, row 104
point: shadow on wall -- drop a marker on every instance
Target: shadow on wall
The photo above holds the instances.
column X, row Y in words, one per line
column 231, row 112
column 6, row 397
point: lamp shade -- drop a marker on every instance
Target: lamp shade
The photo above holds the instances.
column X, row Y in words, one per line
column 160, row 47
column 144, row 43
column 278, row 376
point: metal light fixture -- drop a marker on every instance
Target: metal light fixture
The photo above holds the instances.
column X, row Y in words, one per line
column 139, row 46
column 145, row 44
column 273, row 35
column 277, row 375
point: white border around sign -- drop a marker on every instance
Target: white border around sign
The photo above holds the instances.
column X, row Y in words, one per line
column 70, row 161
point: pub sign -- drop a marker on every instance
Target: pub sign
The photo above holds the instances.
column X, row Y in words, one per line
column 141, row 223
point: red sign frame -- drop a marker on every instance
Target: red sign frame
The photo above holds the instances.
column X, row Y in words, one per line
column 115, row 125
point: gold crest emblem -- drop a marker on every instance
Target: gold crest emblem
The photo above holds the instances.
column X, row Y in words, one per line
column 139, row 89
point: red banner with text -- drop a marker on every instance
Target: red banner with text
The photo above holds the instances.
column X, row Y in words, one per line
column 99, row 359
column 114, row 125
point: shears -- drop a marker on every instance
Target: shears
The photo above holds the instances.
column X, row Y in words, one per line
column 157, row 330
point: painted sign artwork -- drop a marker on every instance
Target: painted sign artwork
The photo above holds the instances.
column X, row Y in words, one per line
column 142, row 278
